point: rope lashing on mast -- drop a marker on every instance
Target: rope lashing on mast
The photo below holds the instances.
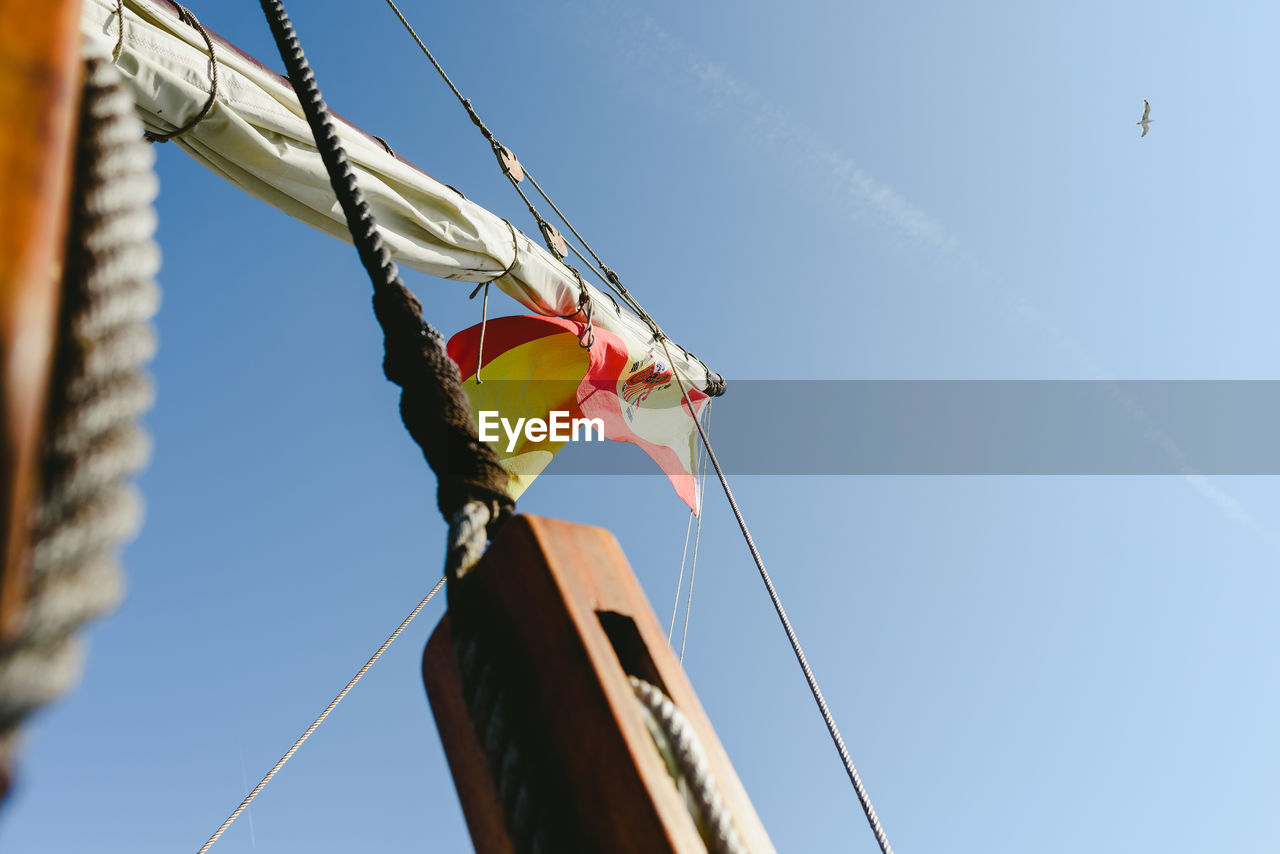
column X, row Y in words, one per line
column 860, row 790
column 94, row 442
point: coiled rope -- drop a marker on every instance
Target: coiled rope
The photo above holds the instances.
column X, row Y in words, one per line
column 94, row 443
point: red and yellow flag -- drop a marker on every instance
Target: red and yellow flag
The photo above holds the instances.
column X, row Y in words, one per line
column 535, row 368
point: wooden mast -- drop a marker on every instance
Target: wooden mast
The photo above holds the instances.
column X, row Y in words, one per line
column 562, row 600
column 40, row 78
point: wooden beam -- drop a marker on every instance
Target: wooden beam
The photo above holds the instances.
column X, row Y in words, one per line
column 40, row 79
column 564, row 599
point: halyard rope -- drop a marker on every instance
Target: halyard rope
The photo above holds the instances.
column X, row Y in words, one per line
column 863, row 798
column 294, row 749
column 684, row 555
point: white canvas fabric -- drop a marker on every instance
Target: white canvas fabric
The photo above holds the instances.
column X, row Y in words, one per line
column 256, row 137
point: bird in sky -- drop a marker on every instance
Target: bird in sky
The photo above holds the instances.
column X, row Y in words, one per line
column 1146, row 117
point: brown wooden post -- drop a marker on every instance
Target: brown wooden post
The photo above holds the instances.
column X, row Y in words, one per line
column 40, row 78
column 564, row 594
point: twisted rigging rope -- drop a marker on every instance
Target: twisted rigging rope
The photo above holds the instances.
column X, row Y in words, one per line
column 678, row 742
column 472, row 484
column 433, row 403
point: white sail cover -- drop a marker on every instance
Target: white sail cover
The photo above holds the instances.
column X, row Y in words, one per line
column 256, row 137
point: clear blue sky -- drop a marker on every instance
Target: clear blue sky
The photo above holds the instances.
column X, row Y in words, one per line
column 821, row 190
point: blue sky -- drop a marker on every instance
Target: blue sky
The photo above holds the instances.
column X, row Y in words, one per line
column 822, row 191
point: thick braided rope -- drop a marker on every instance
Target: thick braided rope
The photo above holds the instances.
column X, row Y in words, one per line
column 433, row 404
column 494, row 692
column 715, row 824
column 93, row 442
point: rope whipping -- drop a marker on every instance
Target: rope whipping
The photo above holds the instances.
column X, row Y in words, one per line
column 94, row 443
column 687, row 762
column 863, row 798
column 294, row 749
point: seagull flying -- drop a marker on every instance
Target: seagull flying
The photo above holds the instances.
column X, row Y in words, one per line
column 1146, row 117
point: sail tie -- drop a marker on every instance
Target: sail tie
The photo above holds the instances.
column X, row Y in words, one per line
column 187, row 17
column 115, row 53
column 484, row 306
column 587, row 338
column 484, row 323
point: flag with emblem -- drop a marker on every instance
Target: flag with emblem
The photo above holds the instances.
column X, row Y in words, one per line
column 531, row 367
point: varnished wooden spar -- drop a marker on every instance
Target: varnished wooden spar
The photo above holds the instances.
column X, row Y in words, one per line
column 563, row 597
column 39, row 90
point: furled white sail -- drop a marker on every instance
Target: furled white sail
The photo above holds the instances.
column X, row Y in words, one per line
column 255, row 136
